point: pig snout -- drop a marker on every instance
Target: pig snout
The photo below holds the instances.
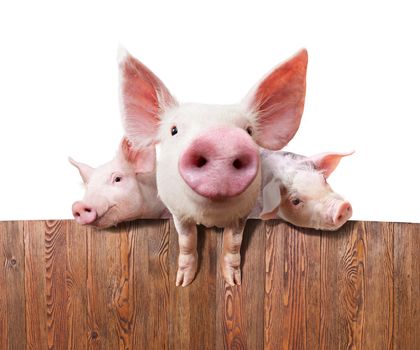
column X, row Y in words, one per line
column 83, row 214
column 342, row 213
column 220, row 164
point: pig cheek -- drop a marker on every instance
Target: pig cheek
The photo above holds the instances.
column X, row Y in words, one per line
column 296, row 216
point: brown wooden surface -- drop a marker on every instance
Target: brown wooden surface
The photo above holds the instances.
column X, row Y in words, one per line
column 63, row 286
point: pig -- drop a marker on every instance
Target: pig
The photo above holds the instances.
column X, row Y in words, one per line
column 208, row 168
column 295, row 188
column 122, row 189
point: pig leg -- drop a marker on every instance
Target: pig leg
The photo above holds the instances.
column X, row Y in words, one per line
column 187, row 259
column 231, row 256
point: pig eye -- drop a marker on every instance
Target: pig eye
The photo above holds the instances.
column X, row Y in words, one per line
column 249, row 130
column 118, row 179
column 296, row 201
column 174, row 130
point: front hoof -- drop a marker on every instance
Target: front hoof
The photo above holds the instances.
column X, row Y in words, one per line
column 187, row 269
column 231, row 269
column 232, row 275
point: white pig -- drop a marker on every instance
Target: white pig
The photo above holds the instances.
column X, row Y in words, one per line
column 122, row 189
column 208, row 170
column 295, row 189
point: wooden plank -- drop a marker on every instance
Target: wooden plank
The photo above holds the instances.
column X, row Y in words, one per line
column 292, row 287
column 379, row 296
column 35, row 288
column 193, row 308
column 407, row 286
column 151, row 284
column 104, row 282
column 240, row 317
column 120, row 251
column 56, row 295
column 343, row 287
column 4, row 338
column 96, row 289
column 14, row 265
column 76, row 276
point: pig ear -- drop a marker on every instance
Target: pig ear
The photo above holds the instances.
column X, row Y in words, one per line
column 84, row 169
column 277, row 102
column 327, row 162
column 271, row 200
column 143, row 159
column 144, row 97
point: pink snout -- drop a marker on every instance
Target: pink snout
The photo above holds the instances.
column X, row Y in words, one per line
column 343, row 212
column 83, row 214
column 220, row 164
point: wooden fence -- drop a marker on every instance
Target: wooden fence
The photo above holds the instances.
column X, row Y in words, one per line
column 63, row 286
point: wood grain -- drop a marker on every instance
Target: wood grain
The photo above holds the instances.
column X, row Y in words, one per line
column 151, row 285
column 56, row 293
column 240, row 317
column 67, row 286
column 76, row 276
column 343, row 287
column 379, row 295
column 407, row 286
column 193, row 308
column 14, row 282
column 35, row 288
column 292, row 288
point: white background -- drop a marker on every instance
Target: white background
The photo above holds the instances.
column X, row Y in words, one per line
column 59, row 93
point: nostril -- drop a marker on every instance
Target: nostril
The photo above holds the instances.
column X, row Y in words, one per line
column 201, row 161
column 237, row 164
column 88, row 210
column 77, row 214
column 339, row 217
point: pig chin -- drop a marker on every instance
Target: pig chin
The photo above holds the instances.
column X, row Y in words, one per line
column 189, row 206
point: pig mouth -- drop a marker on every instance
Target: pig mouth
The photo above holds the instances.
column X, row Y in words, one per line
column 101, row 222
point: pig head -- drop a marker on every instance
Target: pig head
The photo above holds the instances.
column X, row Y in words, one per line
column 120, row 190
column 208, row 168
column 295, row 188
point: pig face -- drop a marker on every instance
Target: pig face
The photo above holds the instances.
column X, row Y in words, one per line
column 121, row 190
column 208, row 168
column 297, row 191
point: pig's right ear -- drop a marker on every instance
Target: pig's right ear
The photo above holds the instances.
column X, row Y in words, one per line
column 144, row 97
column 84, row 169
column 277, row 103
column 271, row 200
column 327, row 162
column 143, row 159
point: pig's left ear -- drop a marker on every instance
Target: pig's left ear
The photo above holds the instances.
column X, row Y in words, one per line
column 144, row 97
column 84, row 169
column 277, row 102
column 271, row 197
column 327, row 162
column 143, row 159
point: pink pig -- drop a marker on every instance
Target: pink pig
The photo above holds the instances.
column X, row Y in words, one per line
column 295, row 189
column 208, row 168
column 121, row 190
